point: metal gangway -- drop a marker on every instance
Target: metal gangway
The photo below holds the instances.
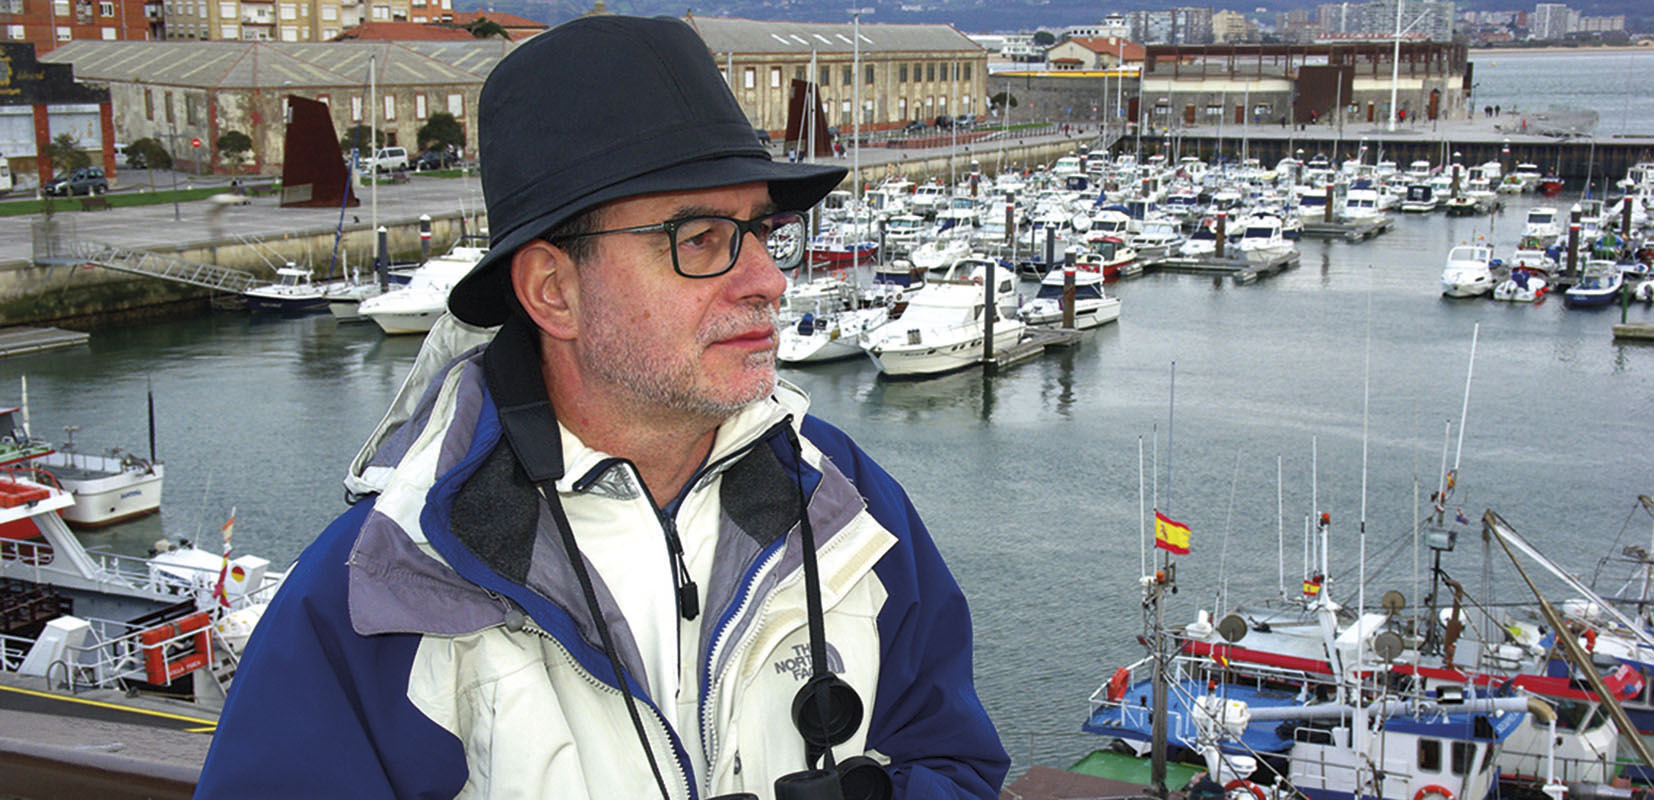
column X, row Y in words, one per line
column 52, row 247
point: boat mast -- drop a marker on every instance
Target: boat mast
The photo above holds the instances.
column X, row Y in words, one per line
column 1164, row 577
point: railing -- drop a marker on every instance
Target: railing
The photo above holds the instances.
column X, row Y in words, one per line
column 54, row 246
column 169, row 582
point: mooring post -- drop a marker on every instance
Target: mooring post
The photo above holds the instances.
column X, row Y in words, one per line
column 1223, row 233
column 1068, row 294
column 1573, row 240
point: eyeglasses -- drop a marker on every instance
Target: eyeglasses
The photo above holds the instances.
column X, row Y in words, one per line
column 706, row 247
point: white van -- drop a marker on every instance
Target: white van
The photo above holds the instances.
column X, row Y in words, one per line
column 387, row 159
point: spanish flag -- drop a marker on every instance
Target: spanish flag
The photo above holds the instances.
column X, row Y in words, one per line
column 1170, row 534
column 1312, row 586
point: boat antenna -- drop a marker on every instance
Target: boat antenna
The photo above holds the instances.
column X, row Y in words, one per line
column 149, row 388
column 1171, row 409
column 1223, row 554
column 1362, row 731
column 24, row 380
column 1142, row 519
column 1464, row 410
column 1280, row 533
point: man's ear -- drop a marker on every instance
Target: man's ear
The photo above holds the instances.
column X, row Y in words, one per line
column 547, row 286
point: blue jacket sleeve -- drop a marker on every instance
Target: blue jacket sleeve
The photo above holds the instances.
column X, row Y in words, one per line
column 926, row 718
column 318, row 711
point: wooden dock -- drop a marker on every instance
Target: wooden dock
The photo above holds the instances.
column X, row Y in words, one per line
column 14, row 341
column 1034, row 342
column 1239, row 270
column 1357, row 230
column 1634, row 331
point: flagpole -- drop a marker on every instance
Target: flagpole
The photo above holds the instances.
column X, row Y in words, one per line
column 1142, row 544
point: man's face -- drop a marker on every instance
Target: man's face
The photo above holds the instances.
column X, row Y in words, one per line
column 653, row 338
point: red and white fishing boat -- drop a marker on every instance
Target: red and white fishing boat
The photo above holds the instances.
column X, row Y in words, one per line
column 838, row 250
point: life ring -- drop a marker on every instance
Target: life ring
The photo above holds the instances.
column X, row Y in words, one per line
column 1242, row 783
column 838, row 274
column 1117, row 683
column 1434, row 789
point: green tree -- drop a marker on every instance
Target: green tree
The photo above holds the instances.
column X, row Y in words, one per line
column 234, row 146
column 66, row 154
column 1045, row 38
column 484, row 28
column 149, row 153
column 999, row 100
column 357, row 137
column 442, row 131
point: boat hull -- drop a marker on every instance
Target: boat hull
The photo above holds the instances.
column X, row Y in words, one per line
column 106, row 492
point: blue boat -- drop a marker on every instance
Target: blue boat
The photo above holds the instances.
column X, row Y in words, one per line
column 1599, row 285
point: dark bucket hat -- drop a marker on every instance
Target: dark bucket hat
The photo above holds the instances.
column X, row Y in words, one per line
column 602, row 108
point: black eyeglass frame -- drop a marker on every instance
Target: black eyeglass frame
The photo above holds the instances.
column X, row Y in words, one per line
column 670, row 228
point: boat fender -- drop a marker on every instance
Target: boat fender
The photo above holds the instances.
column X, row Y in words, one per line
column 1590, row 640
column 1117, row 683
column 1242, row 783
column 1541, row 710
column 1434, row 789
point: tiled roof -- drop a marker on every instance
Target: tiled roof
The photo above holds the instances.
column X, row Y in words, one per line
column 404, row 32
column 1110, row 45
column 505, row 20
column 279, row 65
column 730, row 35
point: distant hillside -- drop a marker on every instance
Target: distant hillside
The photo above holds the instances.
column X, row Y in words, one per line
column 981, row 16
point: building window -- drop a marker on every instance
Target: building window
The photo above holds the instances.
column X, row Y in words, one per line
column 844, row 113
column 798, row 73
column 749, row 77
column 63, row 34
column 390, row 107
column 381, row 12
column 967, row 68
column 775, row 77
column 824, row 74
column 849, row 75
column 930, row 72
column 149, row 104
column 918, row 69
column 419, row 105
column 289, row 33
column 106, row 9
column 901, row 108
column 171, row 115
column 901, row 74
column 329, row 34
column 965, row 103
column 1214, row 111
column 868, row 78
column 456, row 105
column 330, row 14
column 355, row 108
column 288, row 11
column 60, row 7
column 109, row 34
column 229, row 30
column 192, row 114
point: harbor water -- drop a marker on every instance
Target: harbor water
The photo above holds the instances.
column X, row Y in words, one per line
column 1608, row 81
column 1029, row 479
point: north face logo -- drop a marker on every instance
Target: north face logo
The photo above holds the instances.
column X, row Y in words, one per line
column 799, row 662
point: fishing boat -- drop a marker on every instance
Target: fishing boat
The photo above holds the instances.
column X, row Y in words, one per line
column 107, row 489
column 173, row 622
column 1599, row 284
column 1092, row 305
column 292, row 292
column 1469, row 272
column 838, row 249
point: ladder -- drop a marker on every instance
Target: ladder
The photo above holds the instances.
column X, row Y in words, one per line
column 165, row 267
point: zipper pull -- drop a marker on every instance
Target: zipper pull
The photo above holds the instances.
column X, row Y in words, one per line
column 689, row 601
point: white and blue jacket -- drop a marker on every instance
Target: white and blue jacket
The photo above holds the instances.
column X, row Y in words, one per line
column 433, row 642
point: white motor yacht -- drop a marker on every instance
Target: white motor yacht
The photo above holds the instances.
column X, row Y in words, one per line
column 1262, row 239
column 1421, row 198
column 1092, row 305
column 942, row 326
column 415, row 307
column 829, row 337
column 1468, row 272
column 1543, row 222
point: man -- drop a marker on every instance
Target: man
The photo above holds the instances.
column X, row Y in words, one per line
column 607, row 554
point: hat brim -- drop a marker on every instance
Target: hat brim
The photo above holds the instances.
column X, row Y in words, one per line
column 480, row 297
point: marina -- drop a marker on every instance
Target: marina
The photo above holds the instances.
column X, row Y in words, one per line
column 1032, row 479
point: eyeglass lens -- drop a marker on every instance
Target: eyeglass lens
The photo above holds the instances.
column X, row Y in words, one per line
column 710, row 245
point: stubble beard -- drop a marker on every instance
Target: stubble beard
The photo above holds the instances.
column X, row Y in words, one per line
column 674, row 381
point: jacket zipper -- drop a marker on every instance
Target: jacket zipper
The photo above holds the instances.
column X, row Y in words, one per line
column 683, row 772
column 709, row 733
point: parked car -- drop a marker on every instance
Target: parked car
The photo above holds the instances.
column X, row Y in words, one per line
column 965, row 120
column 436, row 158
column 387, row 159
column 916, row 126
column 944, row 121
column 80, row 180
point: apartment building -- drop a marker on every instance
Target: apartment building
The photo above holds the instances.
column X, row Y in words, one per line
column 289, row 20
column 49, row 23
